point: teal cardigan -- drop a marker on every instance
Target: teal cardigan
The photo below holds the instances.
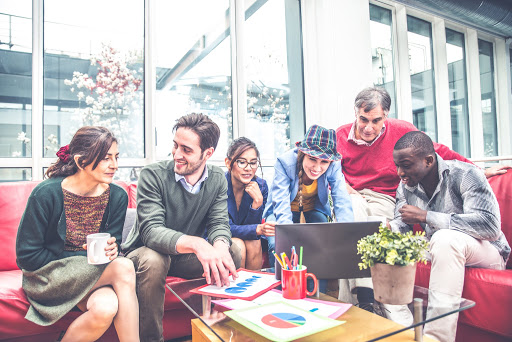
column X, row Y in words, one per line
column 42, row 230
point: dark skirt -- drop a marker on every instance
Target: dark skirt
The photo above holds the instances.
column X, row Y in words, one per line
column 56, row 288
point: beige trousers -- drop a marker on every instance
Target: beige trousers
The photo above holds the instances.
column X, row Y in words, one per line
column 366, row 203
column 450, row 252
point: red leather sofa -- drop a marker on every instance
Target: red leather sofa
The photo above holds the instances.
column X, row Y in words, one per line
column 490, row 319
column 13, row 301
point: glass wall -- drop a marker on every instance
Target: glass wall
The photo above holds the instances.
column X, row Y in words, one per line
column 193, row 68
column 93, row 71
column 382, row 52
column 94, row 75
column 15, row 174
column 486, row 58
column 266, row 75
column 419, row 36
column 15, row 83
column 456, row 56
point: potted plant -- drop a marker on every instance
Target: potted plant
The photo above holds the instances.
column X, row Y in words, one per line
column 392, row 258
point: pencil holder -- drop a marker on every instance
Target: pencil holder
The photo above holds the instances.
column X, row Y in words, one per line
column 294, row 283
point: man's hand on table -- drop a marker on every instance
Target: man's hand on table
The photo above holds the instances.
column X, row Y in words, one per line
column 217, row 263
column 216, row 260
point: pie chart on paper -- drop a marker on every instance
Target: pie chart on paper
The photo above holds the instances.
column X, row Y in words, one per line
column 283, row 320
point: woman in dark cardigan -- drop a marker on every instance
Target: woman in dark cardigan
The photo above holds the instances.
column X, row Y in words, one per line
column 247, row 196
column 78, row 199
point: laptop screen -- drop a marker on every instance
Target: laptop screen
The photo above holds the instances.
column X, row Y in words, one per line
column 329, row 249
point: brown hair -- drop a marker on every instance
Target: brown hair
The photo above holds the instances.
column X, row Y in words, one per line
column 300, row 172
column 238, row 147
column 203, row 126
column 91, row 143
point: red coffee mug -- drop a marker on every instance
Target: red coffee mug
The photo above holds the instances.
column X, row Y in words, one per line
column 294, row 284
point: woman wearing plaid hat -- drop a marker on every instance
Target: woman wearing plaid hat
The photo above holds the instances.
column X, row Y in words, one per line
column 302, row 178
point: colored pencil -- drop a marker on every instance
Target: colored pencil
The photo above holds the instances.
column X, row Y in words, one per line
column 288, row 262
column 278, row 259
column 300, row 258
column 283, row 255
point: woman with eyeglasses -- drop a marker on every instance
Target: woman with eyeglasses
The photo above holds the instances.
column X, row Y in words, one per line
column 247, row 196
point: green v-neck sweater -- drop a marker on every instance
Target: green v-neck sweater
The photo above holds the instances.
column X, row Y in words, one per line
column 166, row 211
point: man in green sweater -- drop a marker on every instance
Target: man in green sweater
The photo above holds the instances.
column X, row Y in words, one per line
column 182, row 226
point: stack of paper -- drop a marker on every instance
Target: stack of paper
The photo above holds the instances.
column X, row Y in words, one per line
column 320, row 307
column 281, row 321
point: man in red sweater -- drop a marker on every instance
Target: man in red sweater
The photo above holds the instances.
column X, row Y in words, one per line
column 366, row 146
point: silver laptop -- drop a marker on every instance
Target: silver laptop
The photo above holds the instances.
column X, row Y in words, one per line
column 329, row 249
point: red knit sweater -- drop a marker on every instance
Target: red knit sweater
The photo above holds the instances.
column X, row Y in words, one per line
column 372, row 167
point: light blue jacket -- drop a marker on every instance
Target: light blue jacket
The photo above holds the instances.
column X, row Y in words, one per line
column 285, row 187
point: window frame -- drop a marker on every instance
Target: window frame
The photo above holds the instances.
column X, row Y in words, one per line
column 502, row 80
column 38, row 163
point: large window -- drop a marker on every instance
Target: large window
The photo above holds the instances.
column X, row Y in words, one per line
column 14, row 174
column 419, row 36
column 93, row 71
column 15, row 83
column 456, row 57
column 382, row 52
column 194, row 72
column 486, row 58
column 267, row 78
column 193, row 68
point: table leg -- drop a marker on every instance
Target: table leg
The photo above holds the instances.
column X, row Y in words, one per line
column 207, row 304
column 418, row 316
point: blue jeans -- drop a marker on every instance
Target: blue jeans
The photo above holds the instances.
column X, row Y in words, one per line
column 312, row 216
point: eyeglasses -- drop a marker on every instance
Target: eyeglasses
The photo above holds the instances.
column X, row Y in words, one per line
column 242, row 163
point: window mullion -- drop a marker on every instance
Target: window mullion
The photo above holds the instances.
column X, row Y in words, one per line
column 442, row 89
column 149, row 83
column 474, row 94
column 238, row 86
column 502, row 62
column 37, row 89
column 404, row 96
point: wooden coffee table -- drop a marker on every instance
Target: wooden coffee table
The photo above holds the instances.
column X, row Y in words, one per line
column 355, row 329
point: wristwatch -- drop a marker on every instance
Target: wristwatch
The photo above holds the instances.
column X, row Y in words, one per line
column 223, row 240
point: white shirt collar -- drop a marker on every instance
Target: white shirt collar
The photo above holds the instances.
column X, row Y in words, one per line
column 352, row 136
column 194, row 189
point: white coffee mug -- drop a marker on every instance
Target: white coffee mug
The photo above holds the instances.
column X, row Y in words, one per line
column 378, row 218
column 96, row 253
